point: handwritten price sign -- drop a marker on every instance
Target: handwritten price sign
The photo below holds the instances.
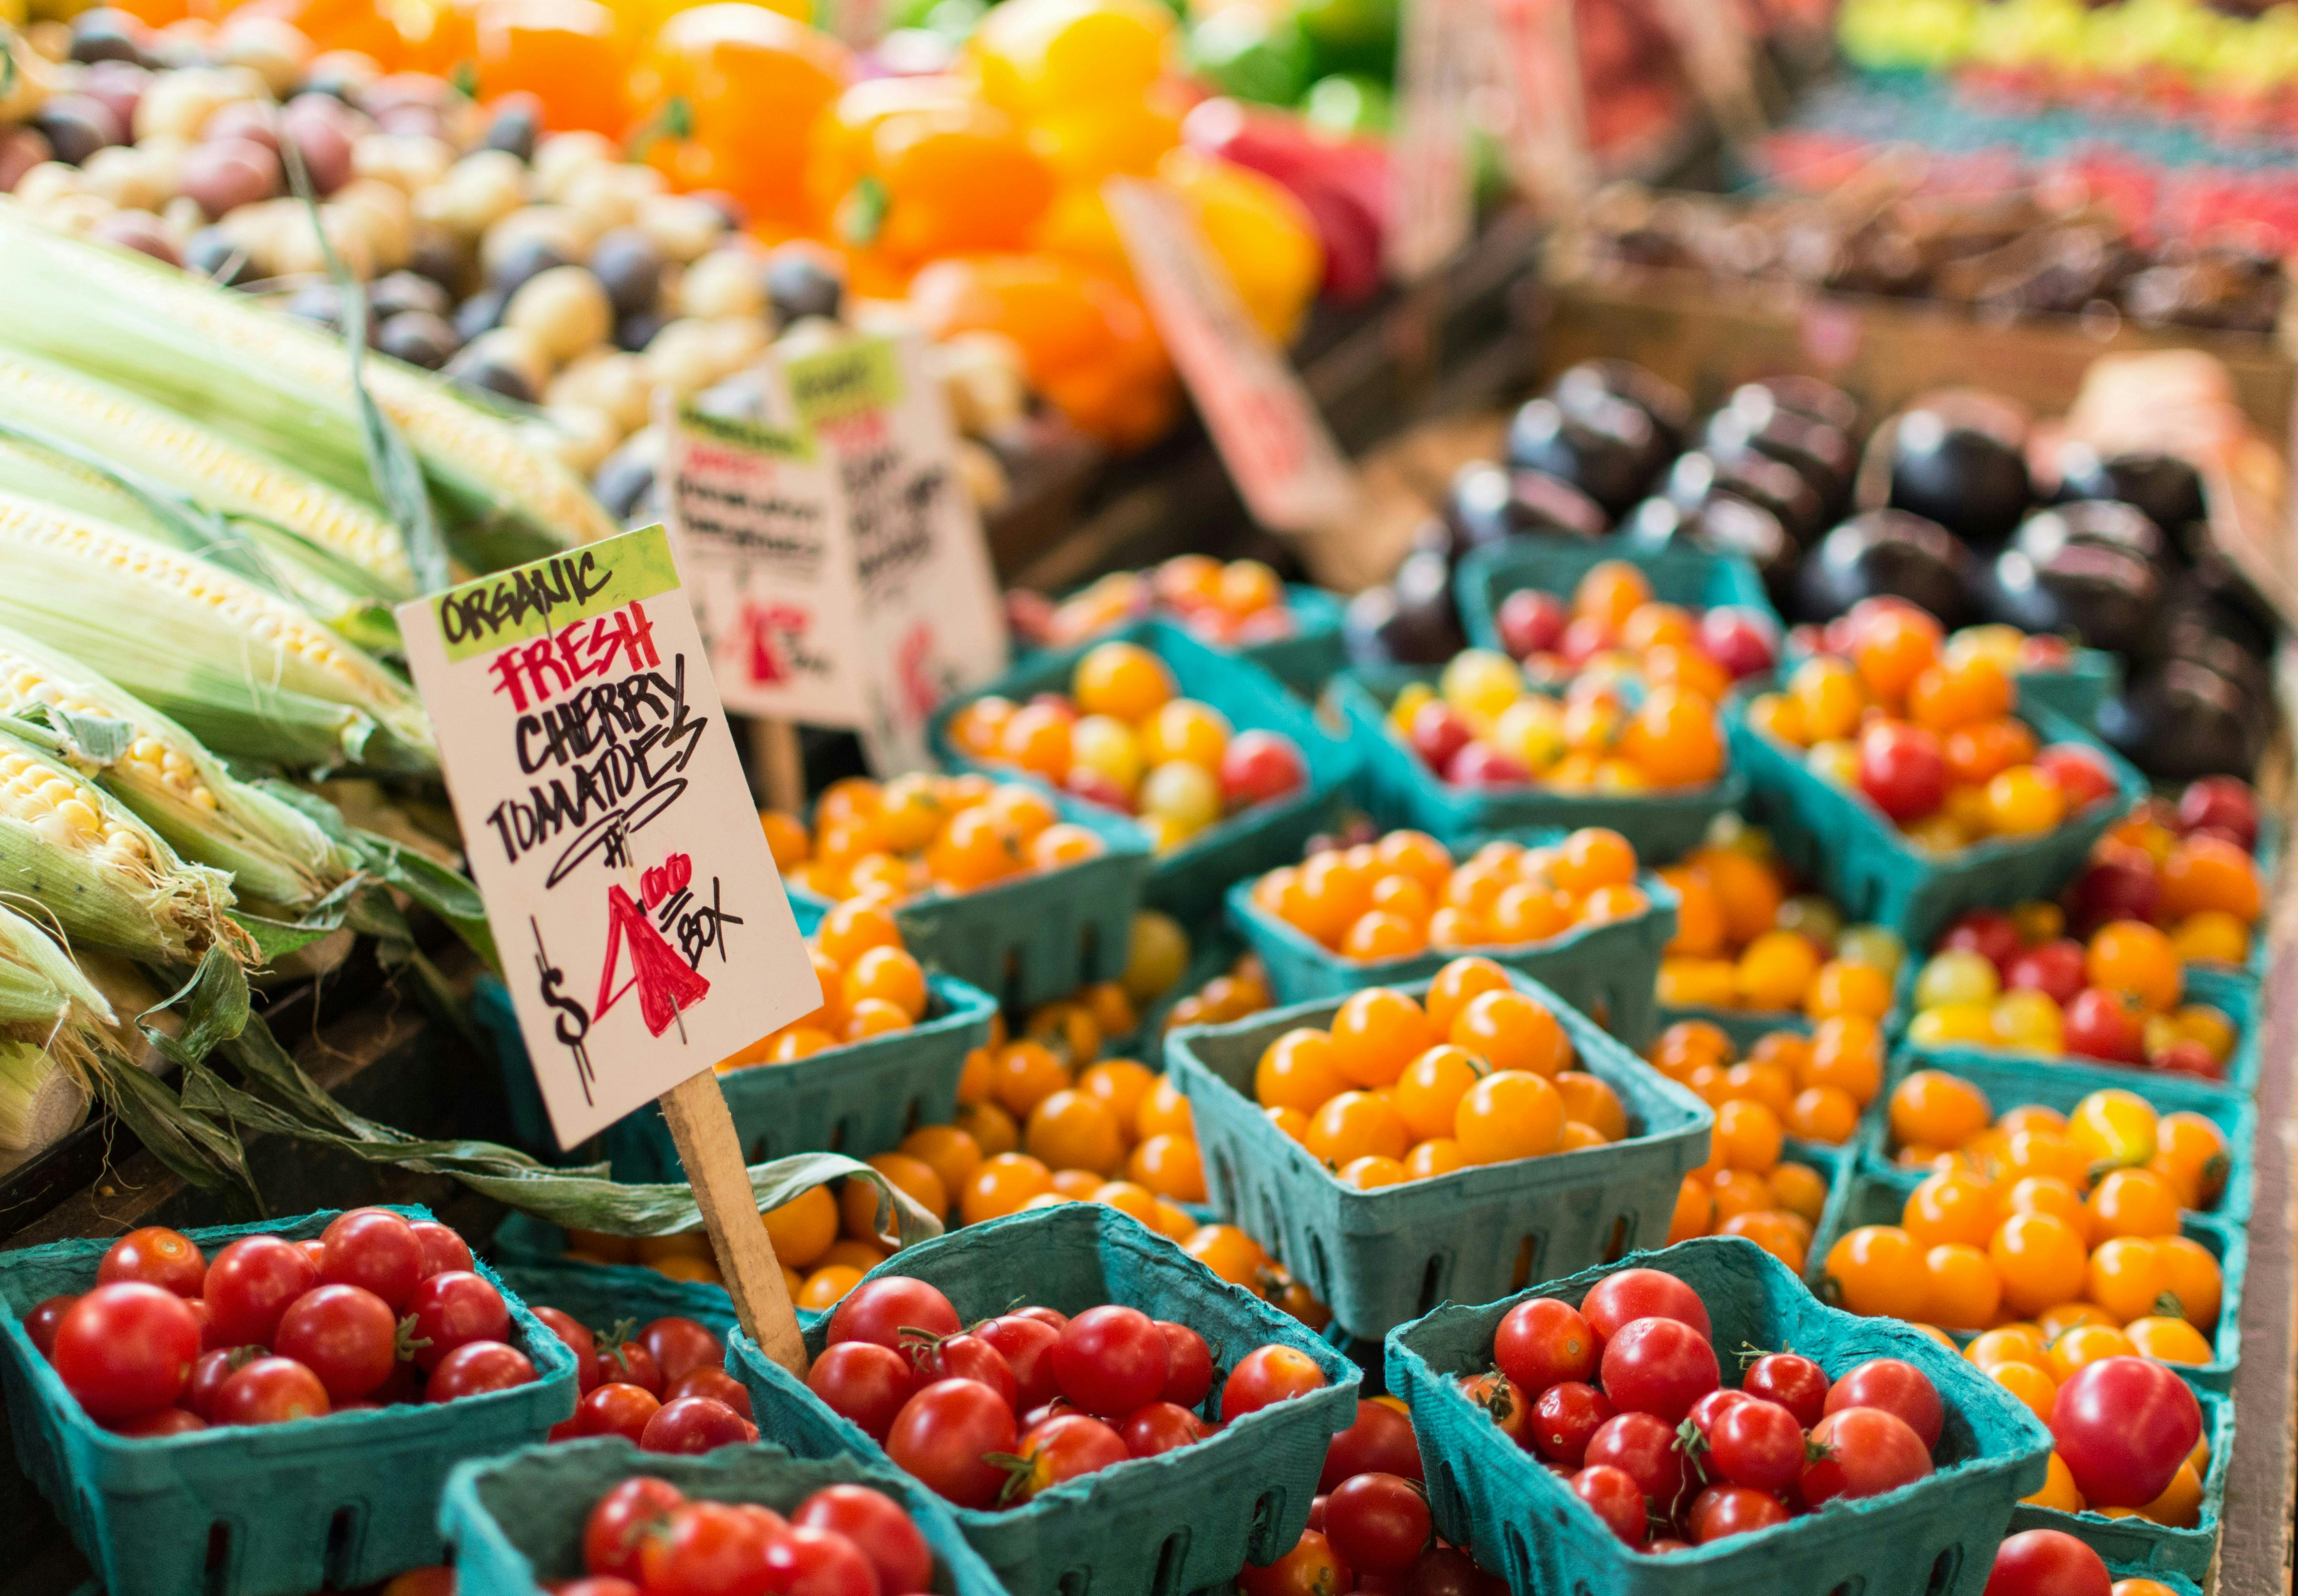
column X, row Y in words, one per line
column 644, row 930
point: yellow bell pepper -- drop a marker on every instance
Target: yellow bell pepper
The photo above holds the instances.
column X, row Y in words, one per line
column 1039, row 56
column 1262, row 234
column 1086, row 144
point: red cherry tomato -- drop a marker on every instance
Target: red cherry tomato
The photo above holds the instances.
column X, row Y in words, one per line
column 1793, row 1381
column 40, row 1324
column 374, row 1248
column 715, row 1384
column 2052, row 968
column 1050, row 1316
column 1265, row 1376
column 2124, row 1424
column 1712, row 1407
column 452, row 1309
column 943, row 1435
column 157, row 1256
column 249, row 1284
column 342, row 1334
column 158, row 1424
column 1615, row 1300
column 631, row 1364
column 679, row 1344
column 1189, row 1365
column 127, row 1349
column 1063, row 1448
column 1025, row 1345
column 707, row 1548
column 1155, row 1428
column 442, row 1249
column 1502, row 1402
column 614, row 1408
column 1757, row 1444
column 1722, row 1511
column 1564, row 1419
column 2098, row 1024
column 1613, row 1497
column 818, row 1562
column 1544, row 1343
column 2047, row 1562
column 1260, row 765
column 1311, row 1568
column 1902, row 770
column 693, row 1424
column 2083, row 777
column 877, row 1524
column 1377, row 1523
column 1112, row 1360
column 1896, row 1386
column 271, row 1391
column 209, row 1370
column 579, row 1341
column 477, row 1366
column 963, row 1356
column 1988, row 932
column 1645, row 1449
column 1379, row 1442
column 1862, row 1452
column 881, row 1310
column 864, row 1383
column 1659, row 1366
column 622, row 1521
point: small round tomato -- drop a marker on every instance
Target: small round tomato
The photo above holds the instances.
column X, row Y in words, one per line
column 127, row 1348
column 864, row 1383
column 40, row 1324
column 944, row 1434
column 1646, row 1449
column 877, row 1524
column 1641, row 1293
column 249, row 1284
column 1659, row 1366
column 614, row 1408
column 1720, row 1511
column 1758, row 1444
column 881, row 1310
column 1265, row 1376
column 631, row 1364
column 1896, row 1386
column 1613, row 1497
column 1565, row 1418
column 1502, row 1403
column 678, row 1344
column 705, row 1546
column 715, row 1384
column 344, row 1334
column 476, row 1367
column 1902, row 770
column 803, row 1558
column 453, row 1309
column 158, row 1424
column 442, row 1249
column 2124, row 1424
column 271, row 1391
column 1155, row 1428
column 157, row 1256
column 1311, row 1568
column 1063, row 1447
column 624, row 1520
column 579, row 1341
column 2047, row 1562
column 374, row 1249
column 1712, row 1407
column 1544, row 1343
column 1793, row 1381
column 1111, row 1360
column 1026, row 1345
column 694, row 1425
column 1189, row 1365
column 209, row 1370
column 1378, row 1523
column 1380, row 1441
column 1862, row 1452
column 963, row 1356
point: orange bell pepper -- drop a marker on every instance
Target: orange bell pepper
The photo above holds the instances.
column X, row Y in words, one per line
column 1086, row 144
column 565, row 52
column 730, row 93
column 917, row 167
column 1086, row 340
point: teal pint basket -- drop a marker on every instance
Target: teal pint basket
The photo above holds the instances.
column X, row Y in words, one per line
column 1679, row 574
column 1188, row 881
column 1033, row 938
column 1181, row 1522
column 1874, row 1195
column 1935, row 1537
column 2152, row 1550
column 255, row 1511
column 1379, row 1257
column 2010, row 1079
column 1840, row 840
column 1401, row 790
column 1608, row 971
column 516, row 1522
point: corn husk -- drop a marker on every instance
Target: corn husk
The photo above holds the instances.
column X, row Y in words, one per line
column 41, row 1101
column 278, row 386
column 273, row 852
column 245, row 671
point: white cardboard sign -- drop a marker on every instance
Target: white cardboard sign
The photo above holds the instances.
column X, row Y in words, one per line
column 644, row 932
column 1277, row 449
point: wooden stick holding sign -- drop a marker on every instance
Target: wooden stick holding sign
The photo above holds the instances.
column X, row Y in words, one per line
column 779, row 764
column 644, row 932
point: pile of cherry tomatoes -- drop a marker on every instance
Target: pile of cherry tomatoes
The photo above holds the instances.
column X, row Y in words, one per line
column 645, row 1538
column 1406, row 894
column 871, row 987
column 1396, row 1090
column 1924, row 729
column 1624, row 1397
column 995, row 1415
column 663, row 1386
column 379, row 1310
column 1997, row 980
column 1744, row 939
column 2109, row 1131
column 2187, row 868
column 1238, row 992
column 1811, row 1087
column 918, row 834
column 1237, row 604
column 1125, row 738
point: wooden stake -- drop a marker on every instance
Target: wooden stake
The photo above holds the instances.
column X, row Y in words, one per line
column 704, row 1130
column 779, row 764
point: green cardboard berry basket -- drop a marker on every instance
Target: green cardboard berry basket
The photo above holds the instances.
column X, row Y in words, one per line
column 2010, row 1079
column 1188, row 881
column 1379, row 1258
column 1606, row 971
column 1679, row 574
column 255, row 1511
column 1032, row 938
column 1402, row 790
column 1181, row 1522
column 1876, row 1195
column 2148, row 1550
column 516, row 1522
column 1839, row 839
column 1935, row 1537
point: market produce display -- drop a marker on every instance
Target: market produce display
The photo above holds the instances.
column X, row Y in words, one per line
column 664, row 1387
column 922, row 834
column 1239, row 602
column 647, row 1536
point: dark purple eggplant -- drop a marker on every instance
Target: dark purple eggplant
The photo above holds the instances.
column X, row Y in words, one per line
column 1662, row 401
column 1758, row 480
column 1489, row 504
column 1409, row 619
column 1754, row 422
column 2093, row 521
column 1887, row 551
column 2185, row 721
column 2164, row 486
column 1606, row 447
column 1968, row 478
column 2101, row 592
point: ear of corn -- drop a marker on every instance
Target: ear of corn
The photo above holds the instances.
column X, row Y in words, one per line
column 41, row 989
column 52, row 1021
column 40, row 1100
column 246, row 672
column 160, row 771
column 276, row 387
column 109, row 879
